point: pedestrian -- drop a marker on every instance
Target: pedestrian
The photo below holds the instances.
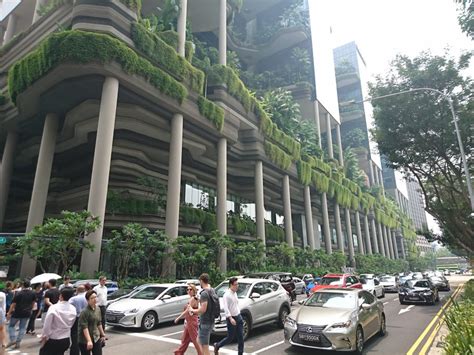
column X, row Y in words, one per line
column 190, row 323
column 91, row 336
column 79, row 302
column 9, row 294
column 206, row 317
column 20, row 312
column 30, row 329
column 101, row 291
column 57, row 325
column 235, row 323
column 3, row 308
column 51, row 296
column 66, row 282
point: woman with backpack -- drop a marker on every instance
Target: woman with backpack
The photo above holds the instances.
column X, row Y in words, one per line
column 190, row 323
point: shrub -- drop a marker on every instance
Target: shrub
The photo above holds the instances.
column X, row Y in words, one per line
column 135, row 5
column 460, row 319
column 212, row 112
column 81, row 47
column 171, row 38
column 277, row 156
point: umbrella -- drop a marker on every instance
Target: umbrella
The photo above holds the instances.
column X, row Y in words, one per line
column 44, row 277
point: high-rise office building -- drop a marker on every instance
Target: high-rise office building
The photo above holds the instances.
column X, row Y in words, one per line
column 416, row 205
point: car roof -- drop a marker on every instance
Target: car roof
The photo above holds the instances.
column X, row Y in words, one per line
column 250, row 280
column 164, row 285
column 339, row 290
column 337, row 275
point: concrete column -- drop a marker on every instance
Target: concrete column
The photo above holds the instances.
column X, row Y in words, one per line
column 387, row 241
column 402, row 245
column 326, row 226
column 309, row 218
column 339, row 235
column 317, row 234
column 223, row 32
column 38, row 5
column 359, row 233
column 318, row 122
column 380, row 240
column 259, row 201
column 376, row 174
column 371, row 173
column 182, row 27
column 375, row 243
column 11, row 27
column 329, row 136
column 339, row 144
column 390, row 242
column 174, row 190
column 287, row 211
column 395, row 245
column 368, row 244
column 39, row 194
column 100, row 171
column 380, row 178
column 350, row 240
column 222, row 198
column 6, row 172
column 2, row 35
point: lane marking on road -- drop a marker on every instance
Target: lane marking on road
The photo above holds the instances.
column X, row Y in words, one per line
column 404, row 310
column 174, row 341
column 170, row 334
column 267, row 348
column 385, row 303
column 416, row 344
column 430, row 339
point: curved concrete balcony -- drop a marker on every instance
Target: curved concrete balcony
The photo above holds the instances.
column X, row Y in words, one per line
column 345, row 79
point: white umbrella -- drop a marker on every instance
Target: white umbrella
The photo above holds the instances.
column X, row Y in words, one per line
column 43, row 278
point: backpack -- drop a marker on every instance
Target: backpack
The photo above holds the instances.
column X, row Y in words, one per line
column 214, row 305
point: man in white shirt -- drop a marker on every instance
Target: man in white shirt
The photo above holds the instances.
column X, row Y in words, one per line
column 101, row 291
column 3, row 312
column 235, row 322
column 57, row 325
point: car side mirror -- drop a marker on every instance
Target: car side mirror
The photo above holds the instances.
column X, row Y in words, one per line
column 365, row 306
column 348, row 284
column 255, row 295
column 165, row 297
column 301, row 302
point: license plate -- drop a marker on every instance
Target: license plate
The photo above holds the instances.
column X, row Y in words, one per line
column 309, row 337
column 413, row 298
column 113, row 319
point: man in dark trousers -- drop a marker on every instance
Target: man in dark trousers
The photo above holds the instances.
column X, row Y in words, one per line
column 20, row 312
column 79, row 302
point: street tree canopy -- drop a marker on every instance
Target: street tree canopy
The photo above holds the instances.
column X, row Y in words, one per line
column 466, row 16
column 416, row 133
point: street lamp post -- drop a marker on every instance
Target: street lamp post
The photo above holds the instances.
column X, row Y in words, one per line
column 458, row 134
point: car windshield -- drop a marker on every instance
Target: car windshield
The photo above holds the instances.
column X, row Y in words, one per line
column 369, row 283
column 149, row 293
column 435, row 278
column 422, row 284
column 387, row 279
column 242, row 291
column 332, row 300
column 336, row 280
column 119, row 293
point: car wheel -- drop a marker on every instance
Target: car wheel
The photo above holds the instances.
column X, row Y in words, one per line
column 302, row 290
column 383, row 326
column 437, row 296
column 359, row 340
column 383, row 293
column 149, row 320
column 284, row 311
column 401, row 300
column 247, row 325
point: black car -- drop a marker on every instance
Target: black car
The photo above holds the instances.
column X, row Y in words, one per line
column 285, row 278
column 418, row 291
column 440, row 282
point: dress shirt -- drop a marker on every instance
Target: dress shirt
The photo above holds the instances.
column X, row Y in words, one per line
column 79, row 302
column 101, row 295
column 59, row 320
column 231, row 304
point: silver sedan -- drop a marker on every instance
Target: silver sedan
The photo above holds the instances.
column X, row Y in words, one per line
column 336, row 319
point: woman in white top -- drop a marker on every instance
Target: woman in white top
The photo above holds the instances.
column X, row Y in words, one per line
column 3, row 308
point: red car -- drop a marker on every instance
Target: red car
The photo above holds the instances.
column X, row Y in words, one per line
column 337, row 280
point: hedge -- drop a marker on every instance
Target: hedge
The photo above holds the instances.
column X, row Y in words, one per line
column 317, row 163
column 81, row 47
column 304, row 172
column 166, row 57
column 172, row 39
column 135, row 5
column 319, row 181
column 212, row 112
column 289, row 144
column 277, row 156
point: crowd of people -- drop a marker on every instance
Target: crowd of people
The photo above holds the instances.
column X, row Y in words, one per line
column 71, row 318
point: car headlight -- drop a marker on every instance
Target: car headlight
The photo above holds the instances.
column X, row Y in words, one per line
column 290, row 322
column 341, row 325
column 134, row 310
column 428, row 293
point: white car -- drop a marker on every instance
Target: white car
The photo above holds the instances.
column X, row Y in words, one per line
column 155, row 303
column 373, row 286
column 261, row 302
column 195, row 282
column 300, row 286
column 367, row 276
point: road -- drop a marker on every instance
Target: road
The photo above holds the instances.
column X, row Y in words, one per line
column 405, row 324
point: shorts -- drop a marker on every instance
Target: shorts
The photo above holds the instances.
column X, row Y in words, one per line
column 2, row 317
column 204, row 333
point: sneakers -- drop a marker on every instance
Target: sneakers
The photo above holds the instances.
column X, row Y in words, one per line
column 17, row 346
column 216, row 348
column 10, row 344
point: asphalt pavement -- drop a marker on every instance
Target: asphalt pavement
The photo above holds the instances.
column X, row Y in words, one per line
column 405, row 325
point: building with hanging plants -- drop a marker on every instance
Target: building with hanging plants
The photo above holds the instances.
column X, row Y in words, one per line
column 181, row 116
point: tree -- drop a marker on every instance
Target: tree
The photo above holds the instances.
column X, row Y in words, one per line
column 466, row 16
column 416, row 134
column 57, row 243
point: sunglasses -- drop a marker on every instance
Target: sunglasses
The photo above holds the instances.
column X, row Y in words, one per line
column 190, row 289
